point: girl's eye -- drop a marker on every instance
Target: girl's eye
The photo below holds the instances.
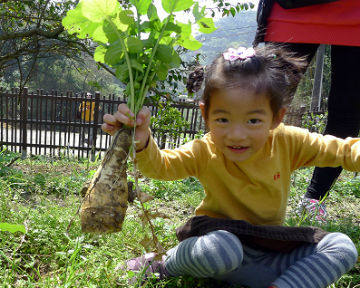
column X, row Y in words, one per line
column 254, row 121
column 222, row 120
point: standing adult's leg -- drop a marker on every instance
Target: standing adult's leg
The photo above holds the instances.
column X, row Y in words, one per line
column 343, row 111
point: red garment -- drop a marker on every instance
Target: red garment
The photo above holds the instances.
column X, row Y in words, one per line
column 336, row 23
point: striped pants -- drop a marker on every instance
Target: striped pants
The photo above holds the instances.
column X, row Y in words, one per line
column 221, row 255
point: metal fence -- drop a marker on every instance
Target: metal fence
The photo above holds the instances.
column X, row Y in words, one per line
column 49, row 123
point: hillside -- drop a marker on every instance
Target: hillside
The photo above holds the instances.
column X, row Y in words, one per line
column 232, row 32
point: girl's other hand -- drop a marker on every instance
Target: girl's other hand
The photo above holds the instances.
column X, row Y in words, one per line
column 124, row 116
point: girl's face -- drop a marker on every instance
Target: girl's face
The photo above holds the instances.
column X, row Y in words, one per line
column 240, row 122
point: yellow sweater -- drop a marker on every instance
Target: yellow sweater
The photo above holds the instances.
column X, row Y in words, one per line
column 255, row 190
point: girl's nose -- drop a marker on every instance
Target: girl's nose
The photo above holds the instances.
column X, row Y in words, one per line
column 238, row 132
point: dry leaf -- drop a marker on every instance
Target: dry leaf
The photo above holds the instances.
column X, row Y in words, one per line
column 160, row 251
column 158, row 214
column 147, row 243
column 144, row 220
column 143, row 197
column 151, row 215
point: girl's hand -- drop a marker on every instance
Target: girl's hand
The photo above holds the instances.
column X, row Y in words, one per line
column 124, row 116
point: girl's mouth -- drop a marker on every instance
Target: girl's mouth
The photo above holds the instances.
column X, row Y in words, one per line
column 238, row 149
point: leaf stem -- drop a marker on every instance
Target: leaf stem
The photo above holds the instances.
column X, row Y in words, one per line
column 131, row 77
column 141, row 101
column 142, row 89
column 137, row 58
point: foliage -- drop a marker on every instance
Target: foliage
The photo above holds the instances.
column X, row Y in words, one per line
column 172, row 190
column 14, row 177
column 139, row 46
column 348, row 188
column 304, row 89
column 39, row 179
column 228, row 9
column 13, row 228
column 59, row 73
column 168, row 122
column 314, row 122
column 32, row 30
column 30, row 25
column 38, row 53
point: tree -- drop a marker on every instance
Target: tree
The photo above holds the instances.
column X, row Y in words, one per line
column 63, row 74
column 31, row 30
column 227, row 9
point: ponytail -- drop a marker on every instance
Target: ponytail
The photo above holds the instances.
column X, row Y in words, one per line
column 195, row 80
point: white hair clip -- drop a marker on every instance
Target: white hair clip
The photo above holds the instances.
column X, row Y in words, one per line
column 241, row 53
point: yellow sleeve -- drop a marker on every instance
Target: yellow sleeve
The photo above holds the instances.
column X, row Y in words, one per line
column 313, row 149
column 172, row 164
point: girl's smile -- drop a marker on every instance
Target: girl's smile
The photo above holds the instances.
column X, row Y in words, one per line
column 238, row 149
column 239, row 122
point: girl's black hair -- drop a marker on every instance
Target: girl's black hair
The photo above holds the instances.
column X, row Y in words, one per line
column 273, row 71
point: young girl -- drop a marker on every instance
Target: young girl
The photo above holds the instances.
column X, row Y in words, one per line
column 244, row 164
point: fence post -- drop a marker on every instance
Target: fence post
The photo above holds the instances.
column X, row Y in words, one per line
column 23, row 121
column 319, row 70
column 95, row 124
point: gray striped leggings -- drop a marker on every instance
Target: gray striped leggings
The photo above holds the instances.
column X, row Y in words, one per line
column 221, row 255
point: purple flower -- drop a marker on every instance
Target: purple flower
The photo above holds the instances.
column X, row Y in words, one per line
column 241, row 53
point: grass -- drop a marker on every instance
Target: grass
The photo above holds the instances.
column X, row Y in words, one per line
column 43, row 195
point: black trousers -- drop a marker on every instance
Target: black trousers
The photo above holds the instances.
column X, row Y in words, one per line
column 343, row 105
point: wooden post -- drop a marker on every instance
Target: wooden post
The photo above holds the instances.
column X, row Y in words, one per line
column 316, row 92
column 23, row 121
